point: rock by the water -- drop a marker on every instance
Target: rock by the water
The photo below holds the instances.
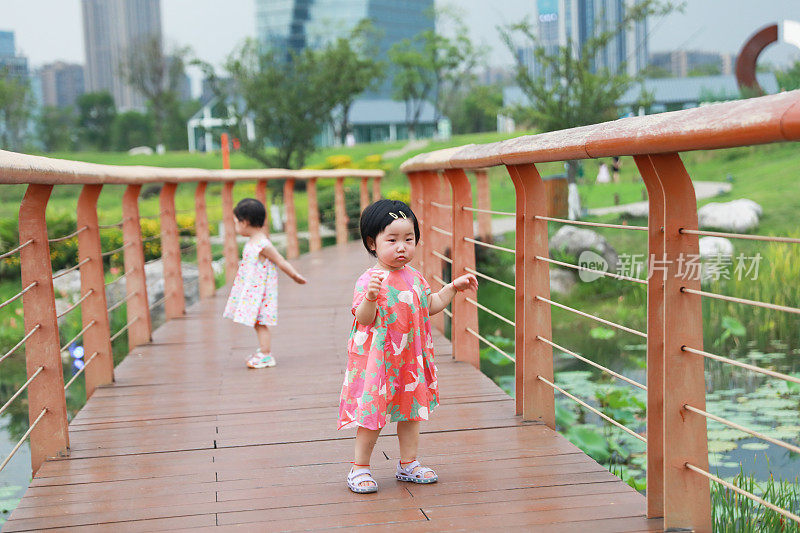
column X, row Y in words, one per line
column 574, row 241
column 713, row 247
column 736, row 216
column 562, row 280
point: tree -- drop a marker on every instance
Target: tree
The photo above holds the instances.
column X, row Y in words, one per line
column 352, row 61
column 96, row 114
column 288, row 100
column 131, row 129
column 427, row 66
column 709, row 69
column 16, row 103
column 566, row 91
column 57, row 128
column 475, row 110
column 155, row 75
column 789, row 79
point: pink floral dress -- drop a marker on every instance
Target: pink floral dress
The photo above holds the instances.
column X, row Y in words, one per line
column 390, row 374
column 254, row 295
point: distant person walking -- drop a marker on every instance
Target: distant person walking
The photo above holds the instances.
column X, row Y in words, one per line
column 615, row 168
column 602, row 174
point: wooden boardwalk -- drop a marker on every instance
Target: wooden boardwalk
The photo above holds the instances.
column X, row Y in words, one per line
column 188, row 438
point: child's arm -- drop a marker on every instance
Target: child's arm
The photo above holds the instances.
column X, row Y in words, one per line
column 269, row 252
column 365, row 312
column 441, row 299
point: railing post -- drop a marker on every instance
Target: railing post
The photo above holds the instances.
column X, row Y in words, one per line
column 50, row 437
column 292, row 247
column 687, row 500
column 175, row 304
column 341, row 213
column 314, row 239
column 135, row 276
column 433, row 265
column 206, row 285
column 261, row 196
column 538, row 402
column 229, row 247
column 655, row 343
column 484, row 202
column 465, row 315
column 364, row 193
column 94, row 308
column 376, row 189
column 519, row 294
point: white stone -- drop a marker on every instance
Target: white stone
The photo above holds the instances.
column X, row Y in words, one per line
column 574, row 241
column 562, row 281
column 712, row 247
column 140, row 150
column 736, row 216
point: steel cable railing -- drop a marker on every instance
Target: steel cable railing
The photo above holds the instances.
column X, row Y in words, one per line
column 70, row 269
column 21, row 389
column 76, row 304
column 594, row 271
column 19, row 294
column 490, row 344
column 71, row 235
column 489, row 211
column 594, row 224
column 33, row 330
column 17, row 249
column 488, row 245
column 733, row 299
column 593, row 317
column 80, row 333
column 489, row 278
column 763, row 238
column 80, row 370
column 24, row 437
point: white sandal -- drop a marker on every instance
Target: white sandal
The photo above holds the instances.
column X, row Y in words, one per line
column 406, row 473
column 365, row 475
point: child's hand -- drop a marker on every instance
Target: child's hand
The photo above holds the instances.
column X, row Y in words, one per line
column 467, row 281
column 374, row 287
column 299, row 279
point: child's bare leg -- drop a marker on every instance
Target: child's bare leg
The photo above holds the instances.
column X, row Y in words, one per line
column 365, row 443
column 264, row 338
column 408, row 435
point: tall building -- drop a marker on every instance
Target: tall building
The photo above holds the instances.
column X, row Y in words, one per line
column 291, row 25
column 7, row 44
column 560, row 23
column 62, row 83
column 110, row 29
column 11, row 64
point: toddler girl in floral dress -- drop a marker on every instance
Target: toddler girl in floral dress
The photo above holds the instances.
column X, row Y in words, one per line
column 390, row 374
column 254, row 296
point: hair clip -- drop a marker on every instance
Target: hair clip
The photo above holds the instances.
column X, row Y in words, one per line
column 402, row 214
column 393, row 215
column 396, row 217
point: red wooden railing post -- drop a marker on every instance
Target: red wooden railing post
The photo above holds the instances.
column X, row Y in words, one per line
column 261, row 196
column 376, row 189
column 229, row 247
column 433, row 269
column 465, row 315
column 341, row 213
column 314, row 239
column 538, row 402
column 292, row 246
column 94, row 308
column 519, row 294
column 655, row 343
column 135, row 277
column 205, row 271
column 687, row 500
column 484, row 202
column 50, row 437
column 364, row 193
column 175, row 304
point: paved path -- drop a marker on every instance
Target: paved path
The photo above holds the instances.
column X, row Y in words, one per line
column 189, row 439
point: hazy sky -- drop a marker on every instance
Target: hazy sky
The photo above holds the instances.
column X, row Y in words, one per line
column 48, row 30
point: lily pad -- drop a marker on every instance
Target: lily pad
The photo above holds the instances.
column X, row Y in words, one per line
column 721, row 446
column 755, row 446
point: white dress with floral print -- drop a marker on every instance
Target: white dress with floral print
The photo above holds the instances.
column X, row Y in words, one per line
column 254, row 296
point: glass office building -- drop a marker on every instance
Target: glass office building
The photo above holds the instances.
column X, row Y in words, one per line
column 291, row 25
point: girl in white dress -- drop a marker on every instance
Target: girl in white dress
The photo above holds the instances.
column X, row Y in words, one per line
column 254, row 296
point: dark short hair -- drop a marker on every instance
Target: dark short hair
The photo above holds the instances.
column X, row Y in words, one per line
column 251, row 211
column 376, row 217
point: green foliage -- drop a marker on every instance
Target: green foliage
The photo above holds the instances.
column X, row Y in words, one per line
column 733, row 513
column 130, row 129
column 326, row 200
column 429, row 66
column 96, row 112
column 789, row 79
column 476, row 109
column 56, row 128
